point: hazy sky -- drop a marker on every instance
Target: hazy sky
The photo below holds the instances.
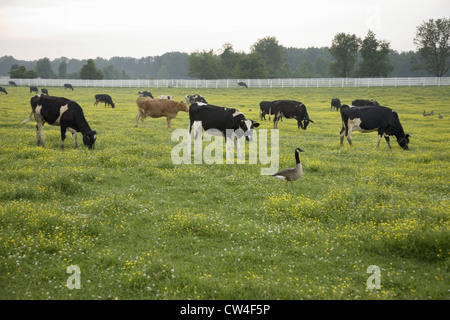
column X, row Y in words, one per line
column 82, row 29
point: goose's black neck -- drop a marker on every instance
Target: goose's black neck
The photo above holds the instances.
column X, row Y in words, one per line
column 297, row 158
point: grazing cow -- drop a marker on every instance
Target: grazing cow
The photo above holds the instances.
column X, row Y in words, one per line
column 3, row 90
column 159, row 108
column 144, row 94
column 428, row 114
column 165, row 97
column 104, row 98
column 44, row 91
column 335, row 103
column 190, row 99
column 363, row 102
column 34, row 89
column 227, row 121
column 68, row 86
column 242, row 84
column 64, row 113
column 12, row 83
column 290, row 109
column 372, row 118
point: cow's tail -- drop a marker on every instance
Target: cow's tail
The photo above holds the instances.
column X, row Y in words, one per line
column 24, row 122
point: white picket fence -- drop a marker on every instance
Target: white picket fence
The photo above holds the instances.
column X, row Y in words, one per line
column 233, row 83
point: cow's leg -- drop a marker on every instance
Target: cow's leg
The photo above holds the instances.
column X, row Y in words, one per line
column 388, row 142
column 168, row 122
column 137, row 118
column 341, row 134
column 39, row 125
column 63, row 136
column 74, row 136
column 378, row 140
column 349, row 135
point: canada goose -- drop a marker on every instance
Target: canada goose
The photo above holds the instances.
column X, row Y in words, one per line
column 291, row 174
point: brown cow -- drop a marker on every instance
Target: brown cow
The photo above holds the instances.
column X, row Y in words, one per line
column 156, row 108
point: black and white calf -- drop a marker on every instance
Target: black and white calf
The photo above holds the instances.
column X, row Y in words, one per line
column 3, row 90
column 194, row 98
column 34, row 89
column 227, row 122
column 64, row 113
column 104, row 98
column 145, row 94
column 372, row 118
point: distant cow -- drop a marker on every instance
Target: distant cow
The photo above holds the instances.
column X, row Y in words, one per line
column 363, row 102
column 194, row 98
column 44, row 91
column 34, row 89
column 290, row 109
column 156, row 108
column 165, row 97
column 104, row 98
column 335, row 103
column 145, row 94
column 372, row 118
column 3, row 90
column 68, row 86
column 64, row 113
column 12, row 83
column 242, row 84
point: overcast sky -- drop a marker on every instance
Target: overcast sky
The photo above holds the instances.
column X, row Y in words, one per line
column 83, row 29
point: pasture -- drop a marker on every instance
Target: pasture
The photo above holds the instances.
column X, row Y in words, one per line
column 139, row 226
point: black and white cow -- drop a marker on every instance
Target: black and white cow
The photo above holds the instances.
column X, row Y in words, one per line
column 34, row 89
column 242, row 84
column 104, row 98
column 372, row 118
column 44, row 91
column 190, row 99
column 68, row 86
column 290, row 109
column 61, row 112
column 145, row 94
column 335, row 103
column 12, row 83
column 228, row 122
column 363, row 102
column 3, row 90
column 163, row 96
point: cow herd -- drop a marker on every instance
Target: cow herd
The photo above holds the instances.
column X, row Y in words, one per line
column 362, row 115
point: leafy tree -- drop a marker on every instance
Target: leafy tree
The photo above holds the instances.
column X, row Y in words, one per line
column 433, row 43
column 90, row 72
column 22, row 73
column 322, row 66
column 62, row 70
column 44, row 69
column 274, row 55
column 306, row 69
column 204, row 65
column 251, row 66
column 228, row 60
column 375, row 57
column 344, row 48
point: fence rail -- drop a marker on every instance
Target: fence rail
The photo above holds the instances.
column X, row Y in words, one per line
column 233, row 83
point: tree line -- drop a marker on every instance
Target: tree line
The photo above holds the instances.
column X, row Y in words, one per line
column 348, row 56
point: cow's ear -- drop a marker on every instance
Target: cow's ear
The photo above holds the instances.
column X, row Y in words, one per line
column 255, row 124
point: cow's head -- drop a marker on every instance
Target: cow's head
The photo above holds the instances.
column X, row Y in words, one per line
column 89, row 139
column 245, row 125
column 404, row 141
column 182, row 106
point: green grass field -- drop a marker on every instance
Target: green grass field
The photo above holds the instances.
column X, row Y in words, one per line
column 139, row 226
